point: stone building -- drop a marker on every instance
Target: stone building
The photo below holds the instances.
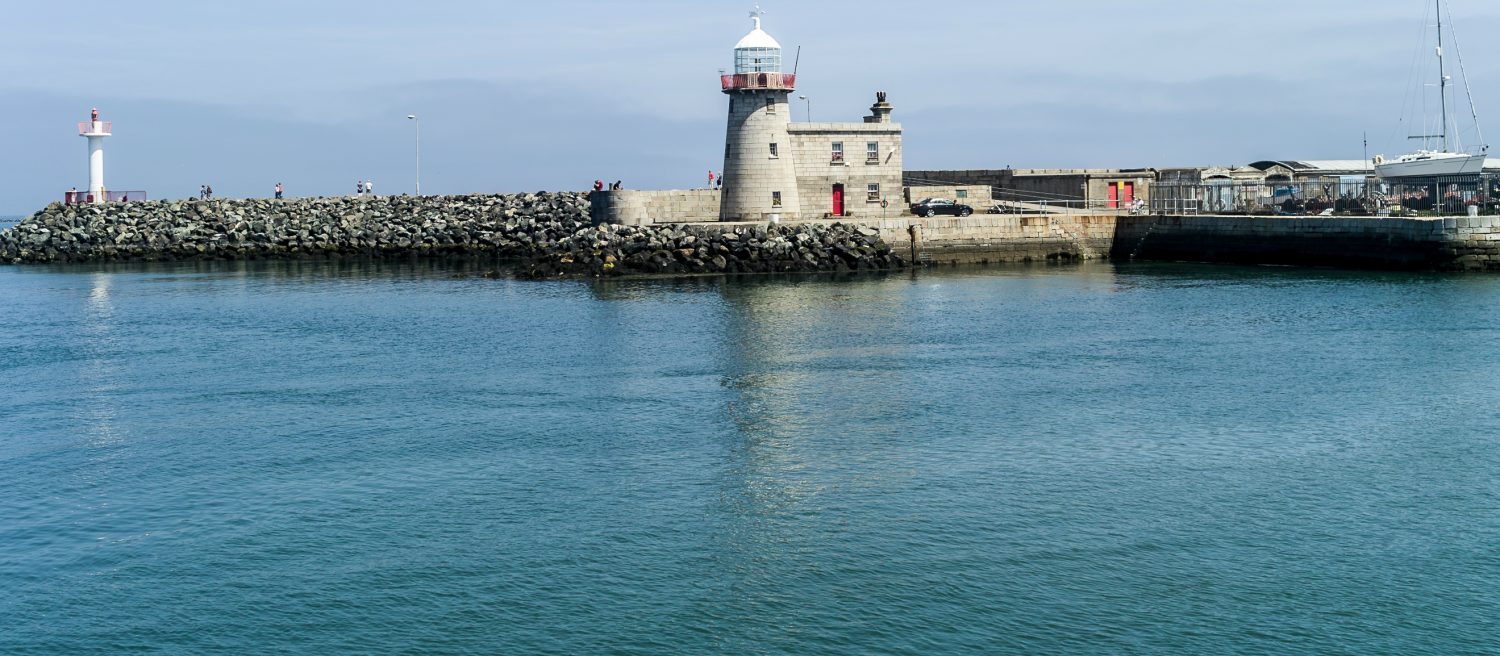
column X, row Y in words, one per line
column 1103, row 189
column 777, row 169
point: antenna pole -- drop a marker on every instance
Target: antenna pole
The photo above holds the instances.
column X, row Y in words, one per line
column 1442, row 74
column 797, row 62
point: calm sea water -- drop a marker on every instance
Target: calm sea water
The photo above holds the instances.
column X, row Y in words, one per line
column 1162, row 459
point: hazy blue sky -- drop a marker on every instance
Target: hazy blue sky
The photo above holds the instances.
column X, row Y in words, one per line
column 551, row 95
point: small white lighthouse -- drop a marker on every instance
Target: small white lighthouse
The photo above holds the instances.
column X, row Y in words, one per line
column 95, row 130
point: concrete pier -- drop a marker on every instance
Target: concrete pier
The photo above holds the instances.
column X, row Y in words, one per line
column 1443, row 244
column 1448, row 243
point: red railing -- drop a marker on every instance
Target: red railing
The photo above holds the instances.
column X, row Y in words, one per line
column 750, row 81
column 88, row 128
column 87, row 198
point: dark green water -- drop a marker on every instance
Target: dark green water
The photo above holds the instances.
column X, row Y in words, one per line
column 1151, row 459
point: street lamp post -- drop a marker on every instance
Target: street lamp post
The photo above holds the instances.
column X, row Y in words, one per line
column 418, row 123
column 809, row 107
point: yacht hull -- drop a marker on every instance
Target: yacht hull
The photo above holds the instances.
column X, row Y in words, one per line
column 1432, row 167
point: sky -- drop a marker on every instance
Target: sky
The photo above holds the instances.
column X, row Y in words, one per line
column 526, row 96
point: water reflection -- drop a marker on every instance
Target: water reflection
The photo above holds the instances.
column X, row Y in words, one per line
column 100, row 371
column 395, row 268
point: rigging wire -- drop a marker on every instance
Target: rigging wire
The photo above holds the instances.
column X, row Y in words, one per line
column 1464, row 73
column 1408, row 103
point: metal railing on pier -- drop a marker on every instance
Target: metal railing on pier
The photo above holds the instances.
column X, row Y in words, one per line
column 1349, row 196
column 1004, row 200
column 87, row 198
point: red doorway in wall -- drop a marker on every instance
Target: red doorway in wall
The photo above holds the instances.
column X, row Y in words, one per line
column 1121, row 194
column 838, row 200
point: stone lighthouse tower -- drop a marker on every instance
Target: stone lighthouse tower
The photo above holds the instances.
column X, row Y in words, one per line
column 760, row 179
column 95, row 131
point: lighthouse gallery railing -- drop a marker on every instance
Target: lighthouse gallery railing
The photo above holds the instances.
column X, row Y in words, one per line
column 750, row 81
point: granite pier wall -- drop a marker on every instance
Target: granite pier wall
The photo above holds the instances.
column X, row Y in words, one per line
column 1444, row 244
column 1000, row 238
column 1441, row 244
column 636, row 207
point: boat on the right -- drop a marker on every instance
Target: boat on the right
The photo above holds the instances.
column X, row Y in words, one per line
column 1430, row 164
column 1440, row 161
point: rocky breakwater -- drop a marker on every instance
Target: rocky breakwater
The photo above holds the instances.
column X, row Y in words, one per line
column 510, row 225
column 547, row 234
column 607, row 250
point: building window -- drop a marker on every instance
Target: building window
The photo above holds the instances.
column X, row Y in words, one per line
column 770, row 105
column 838, row 152
column 872, row 192
column 872, row 152
column 775, row 199
column 961, row 193
column 775, row 152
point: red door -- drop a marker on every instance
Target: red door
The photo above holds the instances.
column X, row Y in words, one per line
column 838, row 200
column 1127, row 194
column 1114, row 195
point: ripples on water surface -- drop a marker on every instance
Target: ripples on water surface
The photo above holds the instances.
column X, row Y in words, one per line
column 1144, row 459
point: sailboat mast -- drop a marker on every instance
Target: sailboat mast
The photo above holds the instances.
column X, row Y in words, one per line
column 1442, row 74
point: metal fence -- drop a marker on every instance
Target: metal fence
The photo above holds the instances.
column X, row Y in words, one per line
column 1015, row 201
column 1349, row 195
column 86, row 198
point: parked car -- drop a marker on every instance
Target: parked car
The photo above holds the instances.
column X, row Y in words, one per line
column 936, row 206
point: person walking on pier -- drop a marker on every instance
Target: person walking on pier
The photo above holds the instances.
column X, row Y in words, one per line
column 359, row 187
column 369, row 187
column 278, row 191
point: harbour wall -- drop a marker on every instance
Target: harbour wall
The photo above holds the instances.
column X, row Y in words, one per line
column 540, row 235
column 1440, row 244
column 1447, row 244
column 544, row 225
column 635, row 207
column 1000, row 238
column 293, row 228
